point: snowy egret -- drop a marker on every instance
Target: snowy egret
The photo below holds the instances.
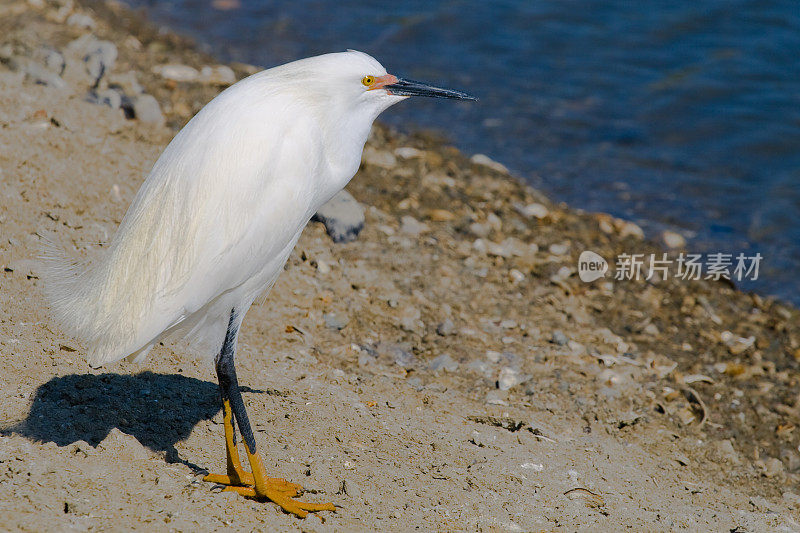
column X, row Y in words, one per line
column 216, row 219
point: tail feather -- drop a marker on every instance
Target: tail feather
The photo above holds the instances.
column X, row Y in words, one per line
column 81, row 298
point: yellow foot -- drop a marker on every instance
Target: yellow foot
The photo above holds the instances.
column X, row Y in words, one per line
column 257, row 485
column 282, row 493
column 237, row 479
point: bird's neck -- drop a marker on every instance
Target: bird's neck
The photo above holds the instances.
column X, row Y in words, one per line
column 344, row 146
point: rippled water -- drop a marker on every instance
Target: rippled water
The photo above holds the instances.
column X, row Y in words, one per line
column 679, row 114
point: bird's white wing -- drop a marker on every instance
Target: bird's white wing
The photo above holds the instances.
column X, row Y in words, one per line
column 226, row 198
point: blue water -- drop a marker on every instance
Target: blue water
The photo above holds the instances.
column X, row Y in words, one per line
column 680, row 114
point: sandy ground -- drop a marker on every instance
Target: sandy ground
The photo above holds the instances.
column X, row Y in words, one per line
column 442, row 372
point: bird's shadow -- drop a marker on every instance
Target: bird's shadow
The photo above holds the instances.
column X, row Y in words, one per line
column 159, row 410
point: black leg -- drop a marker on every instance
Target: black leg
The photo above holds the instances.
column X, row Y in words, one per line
column 277, row 490
column 229, row 383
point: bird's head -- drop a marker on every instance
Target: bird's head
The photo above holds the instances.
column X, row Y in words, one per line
column 358, row 81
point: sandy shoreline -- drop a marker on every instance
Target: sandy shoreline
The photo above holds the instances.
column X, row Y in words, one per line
column 446, row 370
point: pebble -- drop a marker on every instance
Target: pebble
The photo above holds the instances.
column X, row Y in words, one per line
column 323, row 267
column 335, row 321
column 562, row 274
column 494, row 398
column 443, row 362
column 127, row 81
column 480, row 230
column 773, row 467
column 352, row 489
column 629, row 229
column 409, row 319
column 486, row 161
column 100, row 59
column 81, row 20
column 510, row 377
column 411, row 226
column 673, row 239
column 494, row 221
column 606, row 226
column 651, row 329
column 147, row 110
column 177, row 72
column 441, row 215
column 534, row 210
column 54, row 61
column 401, row 357
column 110, row 97
column 515, row 275
column 379, row 158
column 510, row 247
column 559, row 338
column 217, row 75
column 437, row 180
column 407, row 152
column 445, row 328
column 42, row 75
column 725, row 450
column 416, row 383
column 792, row 499
column 559, row 248
column 481, row 368
column 342, row 216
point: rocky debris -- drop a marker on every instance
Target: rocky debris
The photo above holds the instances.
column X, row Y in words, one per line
column 342, row 216
column 81, row 20
column 408, row 318
column 109, row 97
column 532, row 210
column 37, row 73
column 147, row 110
column 510, row 377
column 486, row 161
column 510, row 247
column 181, row 73
column 673, row 239
column 127, row 82
column 445, row 328
column 390, row 353
column 88, row 60
column 413, row 227
column 726, row 451
column 407, row 152
column 379, row 158
column 335, row 321
column 559, row 338
column 87, row 63
column 443, row 362
column 221, row 75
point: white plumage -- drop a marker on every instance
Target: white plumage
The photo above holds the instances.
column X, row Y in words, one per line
column 218, row 215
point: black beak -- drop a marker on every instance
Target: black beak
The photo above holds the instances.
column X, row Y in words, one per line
column 417, row 88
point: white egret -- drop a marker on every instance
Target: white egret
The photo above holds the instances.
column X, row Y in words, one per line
column 216, row 219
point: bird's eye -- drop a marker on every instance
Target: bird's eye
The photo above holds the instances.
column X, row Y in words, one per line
column 368, row 80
